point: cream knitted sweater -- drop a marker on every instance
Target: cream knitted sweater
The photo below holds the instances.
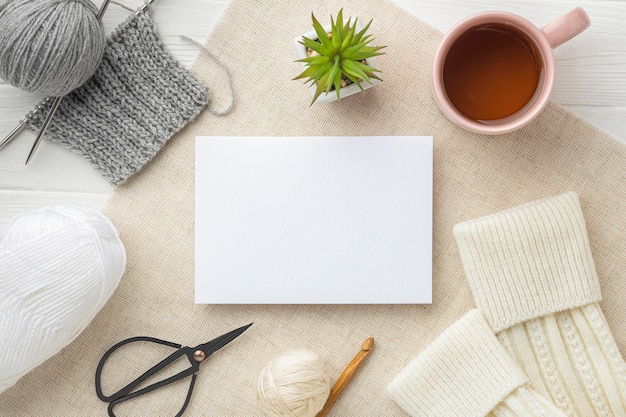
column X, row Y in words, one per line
column 531, row 271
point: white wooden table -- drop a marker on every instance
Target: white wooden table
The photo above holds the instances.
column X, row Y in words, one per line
column 591, row 81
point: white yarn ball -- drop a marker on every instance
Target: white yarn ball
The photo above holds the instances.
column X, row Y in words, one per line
column 58, row 267
column 293, row 384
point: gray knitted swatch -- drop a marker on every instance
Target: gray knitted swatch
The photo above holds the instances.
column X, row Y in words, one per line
column 137, row 99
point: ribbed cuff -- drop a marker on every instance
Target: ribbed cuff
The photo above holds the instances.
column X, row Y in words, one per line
column 529, row 261
column 465, row 372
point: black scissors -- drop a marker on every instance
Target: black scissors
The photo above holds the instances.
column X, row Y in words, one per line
column 195, row 355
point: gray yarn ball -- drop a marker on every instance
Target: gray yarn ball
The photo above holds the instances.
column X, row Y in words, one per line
column 49, row 46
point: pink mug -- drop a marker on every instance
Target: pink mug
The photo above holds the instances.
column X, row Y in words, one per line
column 542, row 41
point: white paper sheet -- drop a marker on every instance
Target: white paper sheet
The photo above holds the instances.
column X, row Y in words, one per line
column 313, row 220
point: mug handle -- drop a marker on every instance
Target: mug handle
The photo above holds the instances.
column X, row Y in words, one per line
column 566, row 27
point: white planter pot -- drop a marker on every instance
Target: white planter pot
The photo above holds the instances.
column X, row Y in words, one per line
column 345, row 91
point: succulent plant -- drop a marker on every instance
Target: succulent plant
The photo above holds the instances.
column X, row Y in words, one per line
column 340, row 54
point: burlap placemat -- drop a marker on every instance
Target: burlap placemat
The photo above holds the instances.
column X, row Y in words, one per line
column 474, row 176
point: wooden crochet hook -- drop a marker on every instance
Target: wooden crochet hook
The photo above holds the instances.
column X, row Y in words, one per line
column 346, row 376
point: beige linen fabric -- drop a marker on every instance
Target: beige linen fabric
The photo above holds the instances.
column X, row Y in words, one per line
column 474, row 176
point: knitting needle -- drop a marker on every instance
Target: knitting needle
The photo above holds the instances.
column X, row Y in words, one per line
column 145, row 6
column 46, row 123
column 22, row 124
column 12, row 134
column 346, row 376
column 57, row 100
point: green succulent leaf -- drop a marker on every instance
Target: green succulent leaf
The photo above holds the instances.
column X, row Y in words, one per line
column 358, row 36
column 342, row 53
column 372, row 74
column 320, row 88
column 314, row 60
column 321, row 70
column 336, row 35
column 355, row 80
column 339, row 20
column 350, row 67
column 322, row 36
column 366, row 39
column 365, row 68
column 349, row 52
column 360, row 56
column 372, row 49
column 347, row 39
column 345, row 31
column 338, row 84
column 314, row 45
column 333, row 73
column 306, row 73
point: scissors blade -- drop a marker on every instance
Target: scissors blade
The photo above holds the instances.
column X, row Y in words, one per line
column 221, row 341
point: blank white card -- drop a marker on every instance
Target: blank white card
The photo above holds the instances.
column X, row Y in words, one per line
column 313, row 220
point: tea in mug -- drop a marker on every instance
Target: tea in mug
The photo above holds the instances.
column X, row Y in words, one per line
column 491, row 72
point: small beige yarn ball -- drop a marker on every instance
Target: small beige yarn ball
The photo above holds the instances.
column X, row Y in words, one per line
column 293, row 384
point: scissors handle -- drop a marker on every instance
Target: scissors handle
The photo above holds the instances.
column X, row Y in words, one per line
column 141, row 392
column 126, row 393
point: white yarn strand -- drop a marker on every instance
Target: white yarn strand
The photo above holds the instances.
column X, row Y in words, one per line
column 58, row 267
